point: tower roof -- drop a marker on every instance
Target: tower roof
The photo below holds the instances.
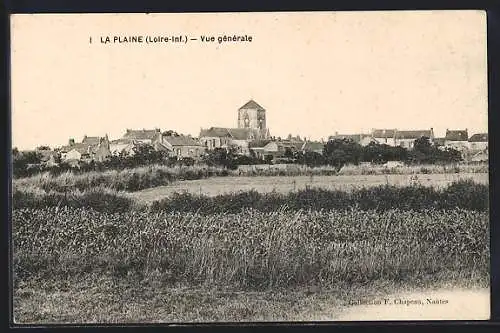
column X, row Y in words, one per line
column 251, row 104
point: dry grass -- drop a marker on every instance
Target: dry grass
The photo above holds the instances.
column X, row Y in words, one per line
column 100, row 299
column 414, row 169
column 225, row 185
column 153, row 176
column 120, row 180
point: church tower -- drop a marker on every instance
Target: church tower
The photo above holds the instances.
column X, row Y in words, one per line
column 253, row 116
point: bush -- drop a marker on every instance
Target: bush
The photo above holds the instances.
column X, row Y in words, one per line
column 380, row 198
column 124, row 180
column 99, row 199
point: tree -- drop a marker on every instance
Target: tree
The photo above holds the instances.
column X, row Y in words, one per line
column 221, row 157
column 288, row 152
column 146, row 154
column 170, row 133
column 338, row 152
column 423, row 145
column 22, row 163
column 309, row 158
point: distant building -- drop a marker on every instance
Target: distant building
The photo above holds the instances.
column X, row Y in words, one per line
column 384, row 136
column 124, row 146
column 275, row 149
column 478, row 141
column 143, row 136
column 182, row 146
column 91, row 140
column 362, row 139
column 456, row 139
column 313, row 146
column 91, row 148
column 134, row 138
column 251, row 126
column 253, row 116
column 221, row 137
column 257, row 148
column 406, row 139
column 439, row 142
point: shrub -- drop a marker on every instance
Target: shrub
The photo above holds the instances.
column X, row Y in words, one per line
column 99, row 199
column 380, row 198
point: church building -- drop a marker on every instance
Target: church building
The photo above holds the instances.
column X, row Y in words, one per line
column 251, row 127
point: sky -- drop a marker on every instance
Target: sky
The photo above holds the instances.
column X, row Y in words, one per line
column 314, row 73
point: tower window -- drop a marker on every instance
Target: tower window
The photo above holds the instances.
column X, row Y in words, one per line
column 247, row 122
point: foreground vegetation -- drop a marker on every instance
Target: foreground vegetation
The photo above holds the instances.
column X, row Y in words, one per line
column 252, row 250
column 464, row 194
column 145, row 177
column 104, row 299
column 99, row 256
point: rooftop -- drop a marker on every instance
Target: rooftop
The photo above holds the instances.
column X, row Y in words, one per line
column 251, row 104
column 456, row 135
column 144, row 134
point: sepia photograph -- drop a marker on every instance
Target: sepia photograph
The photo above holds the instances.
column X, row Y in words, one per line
column 249, row 167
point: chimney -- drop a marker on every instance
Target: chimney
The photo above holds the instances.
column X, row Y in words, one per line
column 336, row 133
column 71, row 142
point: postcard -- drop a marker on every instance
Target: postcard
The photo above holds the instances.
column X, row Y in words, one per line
column 249, row 167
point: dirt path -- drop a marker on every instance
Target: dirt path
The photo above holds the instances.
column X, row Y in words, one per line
column 441, row 304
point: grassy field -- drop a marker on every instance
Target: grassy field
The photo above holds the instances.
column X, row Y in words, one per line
column 246, row 249
column 99, row 299
column 223, row 185
column 80, row 265
column 460, row 194
column 152, row 176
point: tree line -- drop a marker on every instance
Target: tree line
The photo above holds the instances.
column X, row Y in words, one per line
column 337, row 153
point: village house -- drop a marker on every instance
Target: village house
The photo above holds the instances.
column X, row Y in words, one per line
column 182, row 146
column 384, row 136
column 362, row 139
column 134, row 138
column 406, row 139
column 221, row 137
column 313, row 146
column 439, row 142
column 478, row 148
column 143, row 136
column 257, row 148
column 276, row 149
column 478, row 142
column 124, row 146
column 456, row 139
column 91, row 148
